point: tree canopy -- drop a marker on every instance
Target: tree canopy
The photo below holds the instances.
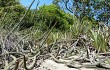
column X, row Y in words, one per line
column 98, row 9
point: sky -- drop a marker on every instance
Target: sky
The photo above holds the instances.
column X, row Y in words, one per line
column 42, row 2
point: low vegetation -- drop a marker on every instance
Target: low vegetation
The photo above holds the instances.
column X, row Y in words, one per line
column 30, row 35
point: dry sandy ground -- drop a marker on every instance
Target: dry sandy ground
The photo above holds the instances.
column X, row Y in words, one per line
column 52, row 65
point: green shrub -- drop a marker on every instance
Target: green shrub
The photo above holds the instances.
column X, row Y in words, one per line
column 51, row 14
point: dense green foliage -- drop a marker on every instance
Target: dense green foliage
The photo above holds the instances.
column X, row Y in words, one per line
column 11, row 11
column 5, row 3
column 43, row 18
column 12, row 6
column 53, row 15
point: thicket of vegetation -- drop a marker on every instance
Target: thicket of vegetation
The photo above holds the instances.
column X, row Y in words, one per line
column 64, row 28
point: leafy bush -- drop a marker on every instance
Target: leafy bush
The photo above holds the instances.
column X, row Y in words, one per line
column 52, row 14
column 27, row 21
column 14, row 12
column 10, row 13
